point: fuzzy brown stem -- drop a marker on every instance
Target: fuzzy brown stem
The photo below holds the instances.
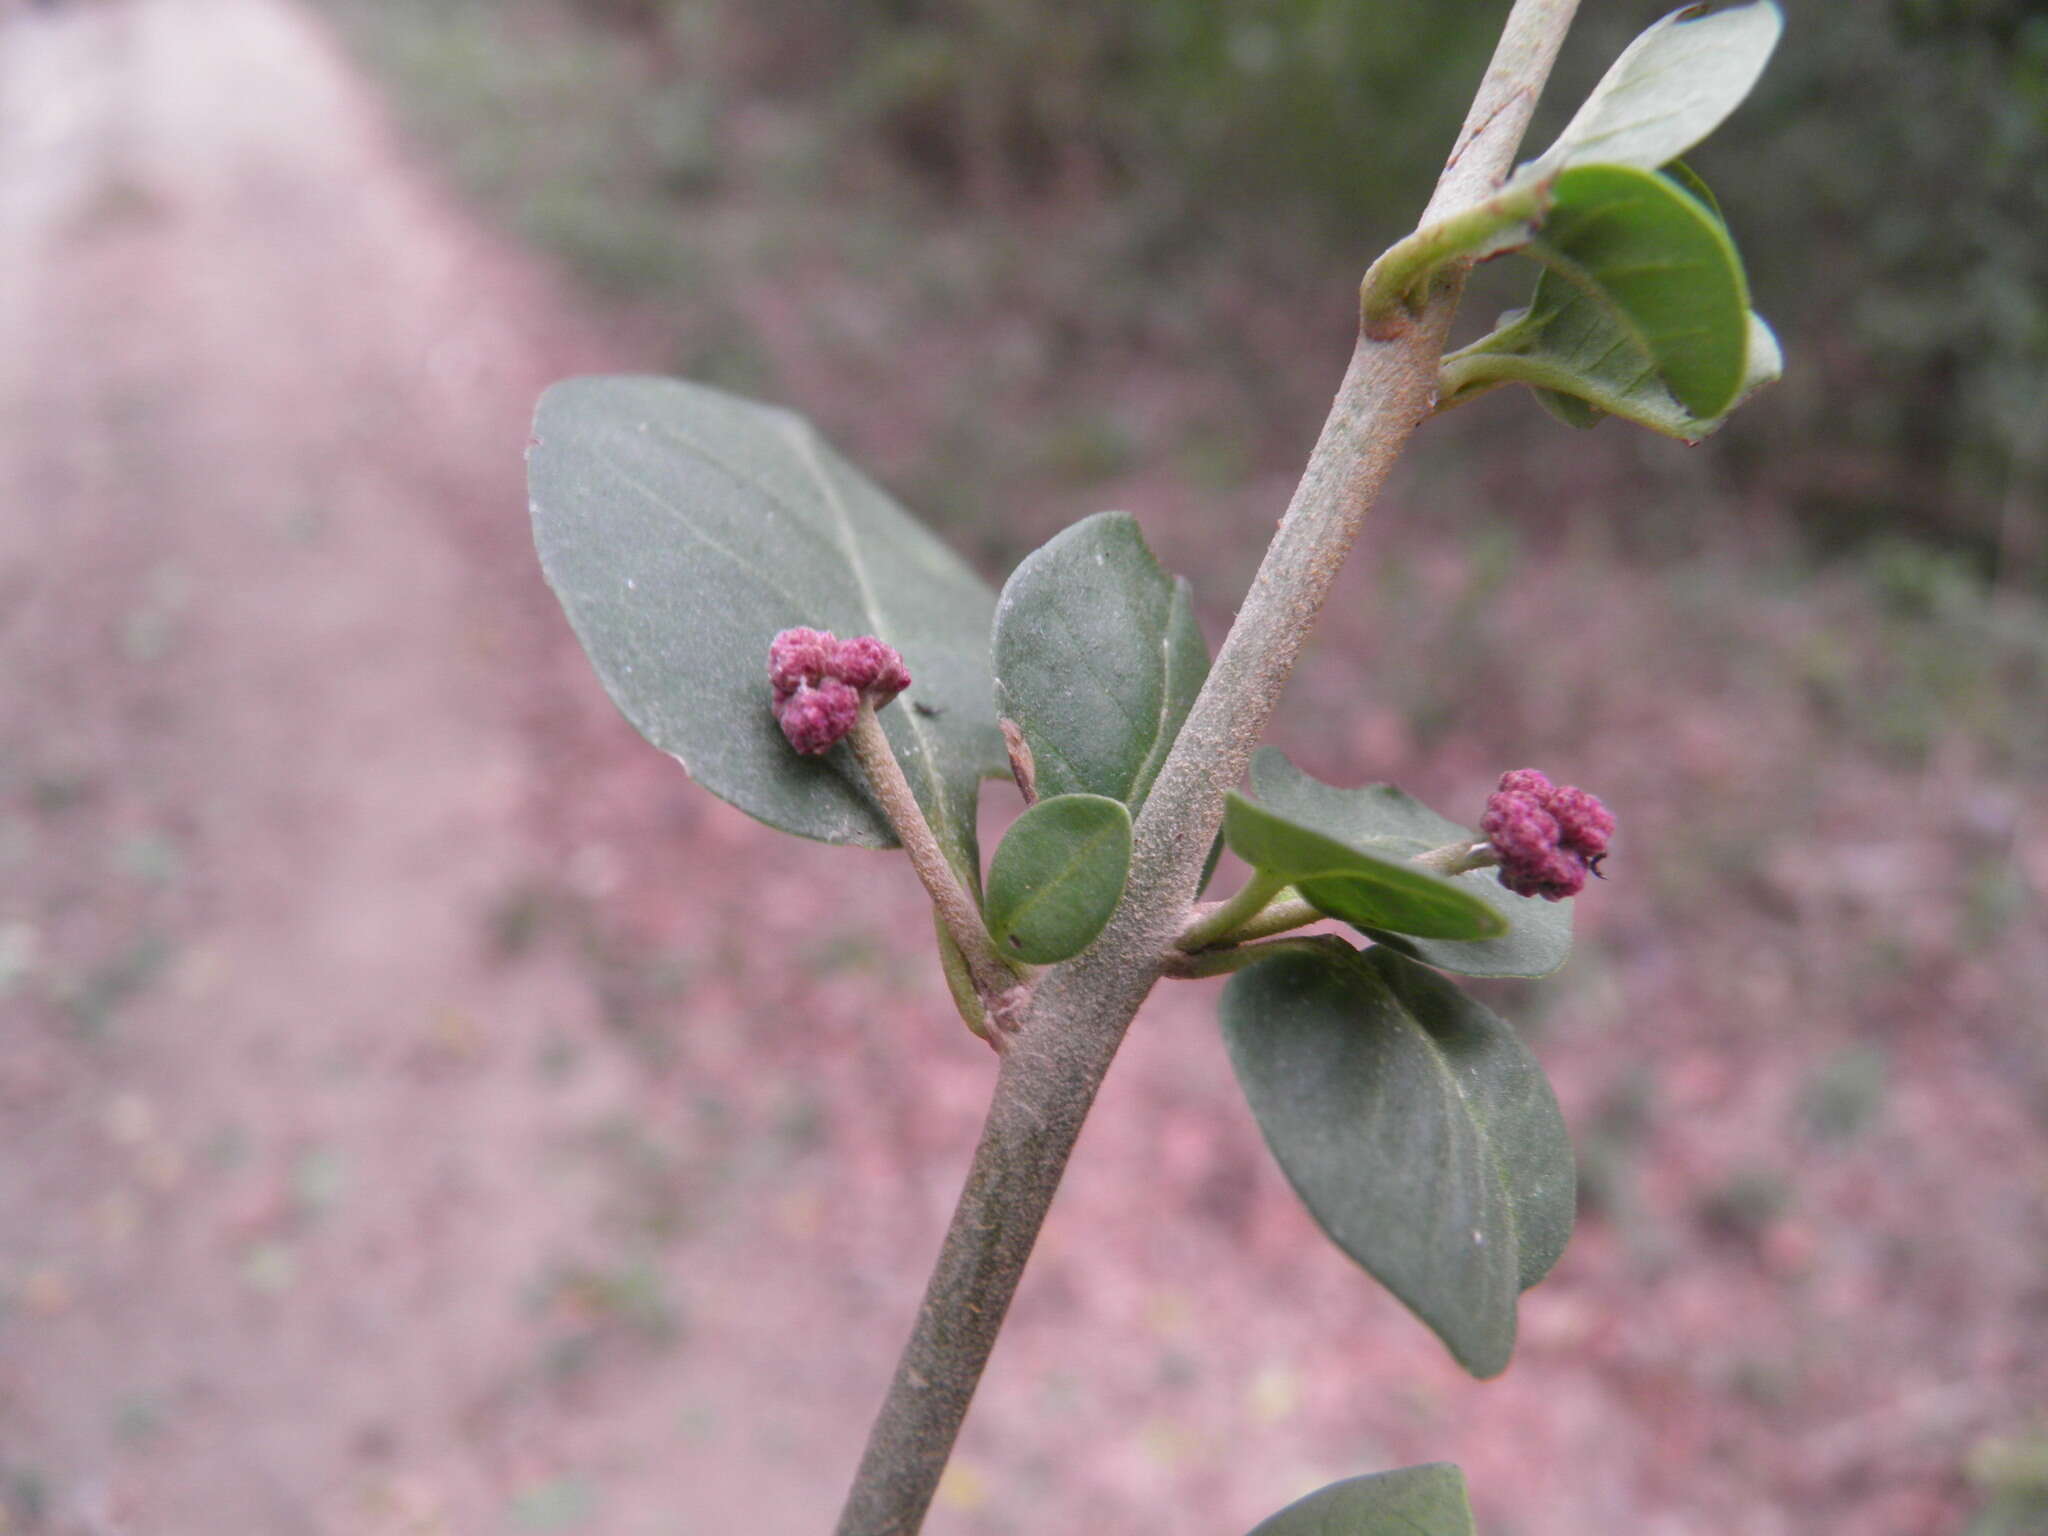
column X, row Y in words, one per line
column 1077, row 1016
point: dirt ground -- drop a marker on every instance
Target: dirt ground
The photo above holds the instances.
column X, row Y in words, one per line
column 421, row 1111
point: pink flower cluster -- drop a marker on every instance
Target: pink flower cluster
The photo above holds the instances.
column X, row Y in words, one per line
column 1548, row 836
column 820, row 682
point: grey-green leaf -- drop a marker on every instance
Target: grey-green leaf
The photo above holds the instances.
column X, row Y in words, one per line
column 1097, row 659
column 1058, row 876
column 1413, row 1501
column 1415, row 1126
column 682, row 528
column 1512, row 1100
column 1674, row 85
column 1380, row 818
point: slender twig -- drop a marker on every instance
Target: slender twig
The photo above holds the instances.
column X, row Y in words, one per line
column 1461, row 857
column 1285, row 911
column 956, row 910
column 1078, row 1012
column 1215, row 923
column 1235, row 957
column 1396, row 285
column 1281, row 916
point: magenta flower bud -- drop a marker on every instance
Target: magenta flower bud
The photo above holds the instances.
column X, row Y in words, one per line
column 1548, row 837
column 820, row 682
column 1584, row 825
column 1526, row 781
column 800, row 658
column 1518, row 827
column 872, row 667
column 1553, row 874
column 814, row 719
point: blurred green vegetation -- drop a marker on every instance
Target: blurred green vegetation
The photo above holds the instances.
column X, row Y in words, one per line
column 1889, row 184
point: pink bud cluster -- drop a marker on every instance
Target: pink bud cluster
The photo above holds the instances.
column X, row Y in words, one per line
column 820, row 682
column 1549, row 836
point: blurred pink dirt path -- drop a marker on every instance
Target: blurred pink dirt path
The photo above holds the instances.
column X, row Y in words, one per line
column 296, row 1179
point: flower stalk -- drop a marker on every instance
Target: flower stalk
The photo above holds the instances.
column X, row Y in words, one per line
column 957, row 912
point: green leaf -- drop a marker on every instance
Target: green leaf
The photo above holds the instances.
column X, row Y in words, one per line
column 1582, row 414
column 1692, row 181
column 1382, row 819
column 1641, row 311
column 1414, row 1501
column 1415, row 1126
column 1058, row 876
column 1097, row 659
column 682, row 528
column 1586, row 375
column 1365, row 889
column 1674, row 85
column 1660, row 266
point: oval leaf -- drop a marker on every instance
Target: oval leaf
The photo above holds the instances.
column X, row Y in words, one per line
column 1413, row 1501
column 1370, row 890
column 1513, row 1102
column 1097, row 659
column 1586, row 358
column 1583, row 370
column 1415, row 1126
column 1058, row 876
column 1659, row 267
column 682, row 528
column 1383, row 819
column 1674, row 85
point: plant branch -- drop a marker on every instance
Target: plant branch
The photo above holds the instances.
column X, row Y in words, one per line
column 1461, row 857
column 1282, row 916
column 1397, row 285
column 1284, row 912
column 956, row 910
column 1221, row 920
column 1388, row 389
column 1077, row 1015
column 1235, row 957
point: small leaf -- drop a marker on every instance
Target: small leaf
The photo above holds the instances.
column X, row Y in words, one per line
column 1058, row 876
column 1366, row 889
column 1415, row 1126
column 1692, row 181
column 1642, row 303
column 1413, row 1501
column 1098, row 658
column 1674, row 85
column 1383, row 819
column 1660, row 265
column 682, row 528
column 1583, row 414
column 1591, row 375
